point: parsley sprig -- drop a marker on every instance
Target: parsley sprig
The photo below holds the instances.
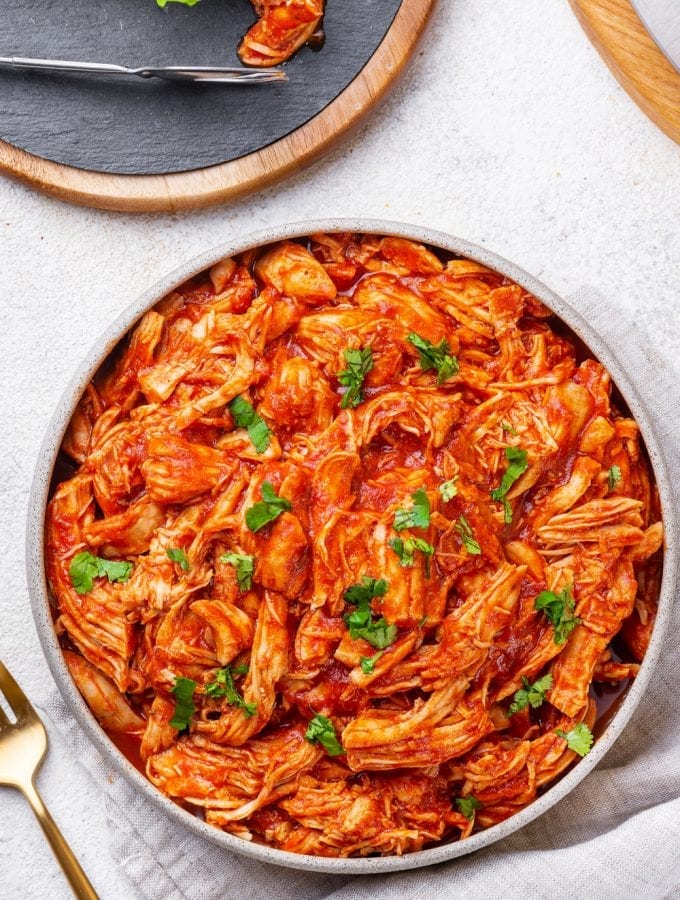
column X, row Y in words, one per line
column 463, row 528
column 85, row 567
column 361, row 623
column 244, row 416
column 468, row 805
column 530, row 694
column 177, row 555
column 559, row 610
column 579, row 739
column 367, row 663
column 448, row 489
column 322, row 731
column 406, row 549
column 268, row 510
column 435, row 356
column 416, row 517
column 359, row 364
column 613, row 477
column 183, row 689
column 517, row 465
column 223, row 687
column 244, row 565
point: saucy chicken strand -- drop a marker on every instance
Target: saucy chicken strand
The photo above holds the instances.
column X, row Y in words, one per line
column 347, row 536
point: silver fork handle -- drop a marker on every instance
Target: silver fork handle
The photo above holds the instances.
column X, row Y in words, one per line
column 78, row 880
column 61, row 65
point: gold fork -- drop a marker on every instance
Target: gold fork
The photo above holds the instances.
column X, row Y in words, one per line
column 23, row 745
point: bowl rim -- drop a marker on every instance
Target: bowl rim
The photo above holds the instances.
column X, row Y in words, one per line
column 39, row 595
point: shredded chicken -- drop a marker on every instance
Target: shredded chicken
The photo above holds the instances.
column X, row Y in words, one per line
column 476, row 471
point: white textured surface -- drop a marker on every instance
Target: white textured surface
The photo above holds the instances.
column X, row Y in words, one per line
column 507, row 130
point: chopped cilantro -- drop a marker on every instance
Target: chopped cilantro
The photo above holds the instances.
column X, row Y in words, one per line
column 85, row 568
column 517, row 464
column 416, row 517
column 368, row 662
column 613, row 477
column 245, row 417
column 244, row 565
column 178, row 556
column 223, row 686
column 368, row 589
column 361, row 623
column 183, row 689
column 468, row 805
column 262, row 514
column 164, row 3
column 448, row 489
column 433, row 356
column 509, row 429
column 559, row 609
column 579, row 739
column 463, row 528
column 321, row 731
column 530, row 694
column 405, row 550
column 359, row 364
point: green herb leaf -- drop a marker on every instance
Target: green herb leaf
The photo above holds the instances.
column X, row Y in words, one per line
column 244, row 565
column 362, row 594
column 245, row 417
column 321, row 731
column 223, row 686
column 361, row 624
column 367, row 663
column 178, row 556
column 85, row 567
column 468, row 805
column 448, row 489
column 164, row 3
column 433, row 356
column 579, row 739
column 416, row 517
column 405, row 550
column 509, row 429
column 517, row 464
column 530, row 694
column 559, row 609
column 183, row 689
column 613, row 477
column 262, row 514
column 462, row 526
column 359, row 364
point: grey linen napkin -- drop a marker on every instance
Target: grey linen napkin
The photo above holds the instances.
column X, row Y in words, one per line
column 617, row 835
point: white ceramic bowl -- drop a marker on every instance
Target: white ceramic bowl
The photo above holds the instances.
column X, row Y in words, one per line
column 41, row 603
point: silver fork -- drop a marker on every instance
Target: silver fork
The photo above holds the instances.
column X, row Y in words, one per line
column 23, row 745
column 201, row 74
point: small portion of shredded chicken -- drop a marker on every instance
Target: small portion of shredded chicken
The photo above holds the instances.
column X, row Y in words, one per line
column 468, row 487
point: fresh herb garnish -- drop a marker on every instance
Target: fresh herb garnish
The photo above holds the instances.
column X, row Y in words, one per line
column 416, row 517
column 509, row 429
column 613, row 477
column 367, row 663
column 462, row 526
column 517, row 464
column 164, row 3
column 530, row 694
column 183, row 689
column 321, row 731
column 405, row 550
column 244, row 565
column 223, row 686
column 245, row 417
column 433, row 356
column 559, row 609
column 178, row 556
column 270, row 508
column 579, row 739
column 467, row 806
column 361, row 623
column 359, row 364
column 448, row 489
column 85, row 568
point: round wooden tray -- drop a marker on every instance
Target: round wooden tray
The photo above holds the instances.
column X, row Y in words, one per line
column 630, row 52
column 226, row 181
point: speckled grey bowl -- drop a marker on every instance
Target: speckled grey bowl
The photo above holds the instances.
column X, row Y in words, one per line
column 41, row 604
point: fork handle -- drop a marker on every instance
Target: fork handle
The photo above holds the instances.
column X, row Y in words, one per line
column 78, row 880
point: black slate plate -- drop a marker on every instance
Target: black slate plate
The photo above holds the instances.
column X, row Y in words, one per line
column 151, row 127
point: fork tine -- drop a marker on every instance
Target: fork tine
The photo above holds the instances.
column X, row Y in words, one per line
column 21, row 706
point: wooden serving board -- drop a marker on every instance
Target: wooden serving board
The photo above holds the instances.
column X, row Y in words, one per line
column 386, row 41
column 630, row 52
